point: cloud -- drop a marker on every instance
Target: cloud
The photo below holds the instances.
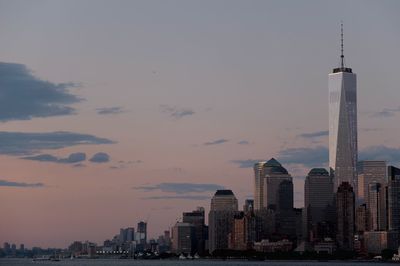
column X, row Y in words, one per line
column 387, row 112
column 24, row 96
column 100, row 157
column 181, row 188
column 310, row 157
column 110, row 110
column 243, row 142
column 5, row 183
column 71, row 159
column 391, row 155
column 216, row 142
column 79, row 165
column 185, row 197
column 249, row 163
column 24, row 143
column 316, row 134
column 176, row 112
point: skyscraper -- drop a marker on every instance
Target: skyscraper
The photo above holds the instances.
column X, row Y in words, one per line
column 394, row 198
column 268, row 177
column 377, row 206
column 368, row 172
column 196, row 218
column 224, row 206
column 343, row 124
column 345, row 201
column 318, row 201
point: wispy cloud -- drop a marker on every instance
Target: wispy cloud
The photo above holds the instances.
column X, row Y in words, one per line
column 249, row 163
column 100, row 157
column 24, row 96
column 71, row 159
column 387, row 112
column 243, row 142
column 176, row 112
column 110, row 110
column 24, row 143
column 316, row 134
column 180, row 188
column 389, row 154
column 216, row 142
column 5, row 183
column 185, row 197
column 310, row 157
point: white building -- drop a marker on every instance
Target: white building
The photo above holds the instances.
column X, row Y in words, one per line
column 343, row 124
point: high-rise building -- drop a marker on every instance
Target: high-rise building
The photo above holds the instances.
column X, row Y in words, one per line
column 243, row 233
column 362, row 219
column 318, row 201
column 196, row 218
column 377, row 206
column 368, row 172
column 224, row 206
column 345, row 200
column 394, row 198
column 183, row 238
column 268, row 177
column 343, row 124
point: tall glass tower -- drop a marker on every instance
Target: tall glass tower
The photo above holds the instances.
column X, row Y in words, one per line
column 343, row 124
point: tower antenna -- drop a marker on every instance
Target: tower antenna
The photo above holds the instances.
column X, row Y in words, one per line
column 341, row 35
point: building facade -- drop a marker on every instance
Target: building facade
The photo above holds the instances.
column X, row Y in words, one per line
column 394, row 198
column 268, row 177
column 224, row 206
column 345, row 201
column 343, row 125
column 368, row 172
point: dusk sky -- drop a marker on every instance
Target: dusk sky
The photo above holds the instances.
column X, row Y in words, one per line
column 112, row 112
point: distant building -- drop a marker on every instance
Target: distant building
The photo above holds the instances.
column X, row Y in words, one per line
column 243, row 233
column 248, row 205
column 197, row 219
column 141, row 236
column 343, row 144
column 368, row 172
column 183, row 237
column 270, row 247
column 362, row 218
column 345, row 201
column 224, row 206
column 377, row 206
column 268, row 177
column 394, row 198
column 318, row 203
column 376, row 241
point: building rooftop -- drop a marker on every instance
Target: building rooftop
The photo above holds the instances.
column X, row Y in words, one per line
column 318, row 171
column 223, row 192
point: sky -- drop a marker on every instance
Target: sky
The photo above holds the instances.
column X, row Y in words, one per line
column 112, row 112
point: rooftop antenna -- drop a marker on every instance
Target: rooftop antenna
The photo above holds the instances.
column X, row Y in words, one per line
column 341, row 35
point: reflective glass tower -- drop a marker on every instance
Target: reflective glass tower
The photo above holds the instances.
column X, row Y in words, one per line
column 343, row 124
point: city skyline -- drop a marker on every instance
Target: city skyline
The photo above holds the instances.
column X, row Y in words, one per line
column 151, row 123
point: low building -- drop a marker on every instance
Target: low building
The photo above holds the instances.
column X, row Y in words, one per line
column 376, row 241
column 326, row 246
column 279, row 246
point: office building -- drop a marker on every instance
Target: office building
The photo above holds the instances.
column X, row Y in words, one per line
column 394, row 198
column 343, row 124
column 318, row 202
column 196, row 218
column 368, row 172
column 377, row 206
column 183, row 237
column 224, row 206
column 345, row 200
column 268, row 177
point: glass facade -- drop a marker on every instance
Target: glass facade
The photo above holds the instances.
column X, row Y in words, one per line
column 343, row 127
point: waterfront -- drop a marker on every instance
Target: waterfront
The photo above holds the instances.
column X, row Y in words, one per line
column 112, row 262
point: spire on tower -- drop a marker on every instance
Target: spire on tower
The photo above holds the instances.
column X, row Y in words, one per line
column 341, row 35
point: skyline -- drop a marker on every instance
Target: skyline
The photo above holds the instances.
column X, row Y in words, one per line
column 208, row 81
